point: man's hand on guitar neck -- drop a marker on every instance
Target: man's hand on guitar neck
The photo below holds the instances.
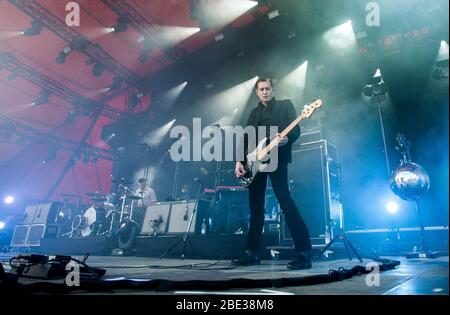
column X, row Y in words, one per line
column 239, row 169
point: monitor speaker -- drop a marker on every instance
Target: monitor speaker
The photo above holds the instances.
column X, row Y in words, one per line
column 156, row 219
column 181, row 213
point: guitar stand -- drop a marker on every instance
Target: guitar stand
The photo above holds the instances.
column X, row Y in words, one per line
column 347, row 244
column 186, row 234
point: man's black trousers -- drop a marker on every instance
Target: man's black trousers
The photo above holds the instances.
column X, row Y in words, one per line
column 294, row 221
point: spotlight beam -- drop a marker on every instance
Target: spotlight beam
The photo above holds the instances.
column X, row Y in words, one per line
column 169, row 97
column 341, row 36
column 157, row 136
column 294, row 83
column 231, row 99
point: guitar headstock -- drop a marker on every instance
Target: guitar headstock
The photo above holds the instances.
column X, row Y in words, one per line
column 309, row 109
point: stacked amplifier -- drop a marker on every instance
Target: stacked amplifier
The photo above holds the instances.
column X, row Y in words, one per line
column 39, row 222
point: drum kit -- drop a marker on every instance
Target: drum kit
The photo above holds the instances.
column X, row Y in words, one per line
column 105, row 214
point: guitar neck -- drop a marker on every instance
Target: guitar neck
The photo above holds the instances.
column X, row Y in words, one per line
column 283, row 134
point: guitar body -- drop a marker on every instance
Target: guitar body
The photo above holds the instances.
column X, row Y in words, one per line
column 253, row 165
column 257, row 160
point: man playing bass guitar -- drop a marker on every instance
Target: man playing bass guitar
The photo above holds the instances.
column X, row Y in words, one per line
column 272, row 112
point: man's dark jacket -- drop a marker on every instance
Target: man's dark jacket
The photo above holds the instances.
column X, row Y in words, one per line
column 277, row 113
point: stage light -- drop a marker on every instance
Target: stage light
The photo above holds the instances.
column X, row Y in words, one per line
column 136, row 98
column 443, row 51
column 42, row 98
column 375, row 87
column 51, row 155
column 219, row 37
column 116, row 84
column 71, row 115
column 273, row 14
column 8, row 200
column 392, row 207
column 98, row 69
column 2, row 225
column 63, row 54
column 122, row 25
column 35, row 29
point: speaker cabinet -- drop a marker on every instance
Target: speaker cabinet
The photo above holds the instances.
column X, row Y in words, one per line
column 174, row 217
column 156, row 219
column 181, row 214
column 31, row 235
column 20, row 235
column 314, row 178
column 42, row 213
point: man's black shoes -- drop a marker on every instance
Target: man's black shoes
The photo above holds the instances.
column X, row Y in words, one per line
column 247, row 259
column 301, row 262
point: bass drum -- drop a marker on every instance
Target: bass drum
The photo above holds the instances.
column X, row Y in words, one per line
column 91, row 222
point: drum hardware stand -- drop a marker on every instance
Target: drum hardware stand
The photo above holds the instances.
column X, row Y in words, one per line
column 186, row 234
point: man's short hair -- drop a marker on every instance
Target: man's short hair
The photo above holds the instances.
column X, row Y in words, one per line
column 142, row 180
column 263, row 80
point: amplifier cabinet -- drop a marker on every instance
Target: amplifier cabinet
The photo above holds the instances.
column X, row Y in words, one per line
column 41, row 213
column 31, row 235
column 314, row 180
column 174, row 217
column 156, row 219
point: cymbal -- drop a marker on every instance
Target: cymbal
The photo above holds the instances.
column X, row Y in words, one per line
column 121, row 181
column 94, row 194
column 132, row 197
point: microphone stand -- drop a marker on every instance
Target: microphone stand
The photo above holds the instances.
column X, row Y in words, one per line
column 186, row 234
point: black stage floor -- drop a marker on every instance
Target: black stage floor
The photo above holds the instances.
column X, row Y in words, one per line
column 212, row 277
